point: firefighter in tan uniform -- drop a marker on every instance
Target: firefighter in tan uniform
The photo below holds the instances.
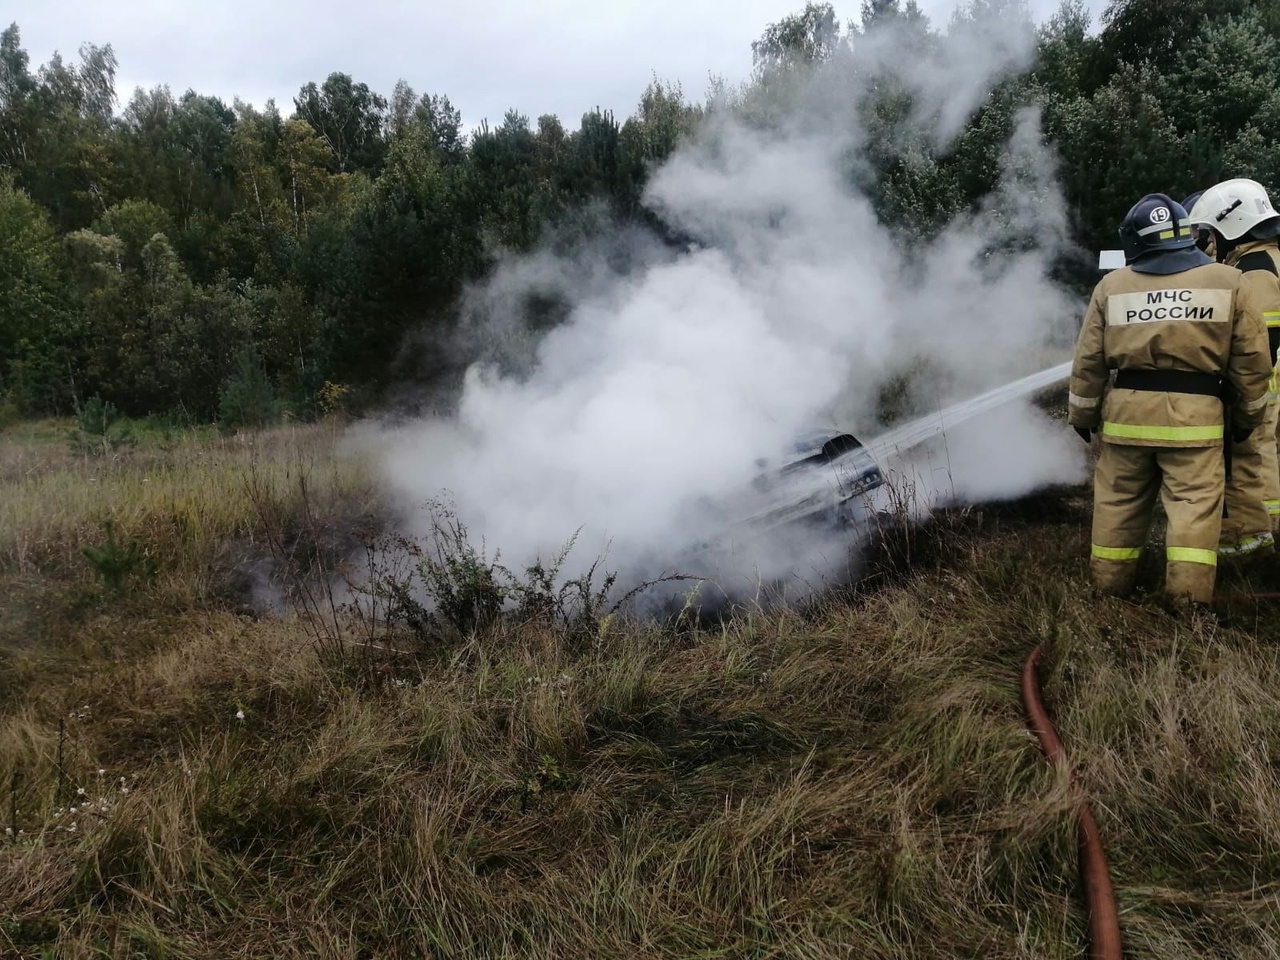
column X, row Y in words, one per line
column 1244, row 226
column 1173, row 326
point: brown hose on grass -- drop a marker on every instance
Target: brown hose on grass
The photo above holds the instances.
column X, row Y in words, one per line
column 1104, row 919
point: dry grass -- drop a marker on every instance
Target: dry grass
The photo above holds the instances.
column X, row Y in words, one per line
column 854, row 781
column 206, row 513
column 186, row 499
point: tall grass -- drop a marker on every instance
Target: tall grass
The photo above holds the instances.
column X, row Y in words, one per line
column 187, row 498
column 189, row 504
column 854, row 780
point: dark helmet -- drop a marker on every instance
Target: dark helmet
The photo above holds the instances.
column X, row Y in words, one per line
column 1200, row 232
column 1155, row 224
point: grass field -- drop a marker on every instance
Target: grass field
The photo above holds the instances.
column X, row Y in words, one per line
column 183, row 774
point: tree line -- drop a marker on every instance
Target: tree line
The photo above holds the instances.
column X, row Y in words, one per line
column 179, row 255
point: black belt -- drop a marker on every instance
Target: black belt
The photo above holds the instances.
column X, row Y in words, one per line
column 1170, row 381
column 1187, row 381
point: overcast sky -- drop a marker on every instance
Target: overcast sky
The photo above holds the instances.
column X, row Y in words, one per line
column 546, row 56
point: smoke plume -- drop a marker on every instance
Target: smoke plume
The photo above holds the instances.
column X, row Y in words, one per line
column 674, row 374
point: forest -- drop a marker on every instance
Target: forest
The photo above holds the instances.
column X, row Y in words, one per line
column 181, row 257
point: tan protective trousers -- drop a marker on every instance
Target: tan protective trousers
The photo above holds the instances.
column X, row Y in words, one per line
column 1189, row 482
column 1271, row 464
column 1246, row 525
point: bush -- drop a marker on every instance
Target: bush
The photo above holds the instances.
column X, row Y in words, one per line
column 9, row 412
column 333, row 398
column 446, row 587
column 117, row 563
column 248, row 399
column 100, row 429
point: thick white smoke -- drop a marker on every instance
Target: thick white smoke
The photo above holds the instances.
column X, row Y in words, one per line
column 666, row 385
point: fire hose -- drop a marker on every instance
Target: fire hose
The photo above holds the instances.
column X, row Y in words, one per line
column 1104, row 919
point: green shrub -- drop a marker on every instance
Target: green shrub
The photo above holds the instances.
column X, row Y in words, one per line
column 443, row 585
column 100, row 429
column 118, row 563
column 248, row 399
column 9, row 412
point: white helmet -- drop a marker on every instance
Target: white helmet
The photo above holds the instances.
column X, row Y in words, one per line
column 1233, row 208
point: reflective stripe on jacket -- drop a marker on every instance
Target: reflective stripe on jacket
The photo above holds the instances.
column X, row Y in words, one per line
column 1201, row 320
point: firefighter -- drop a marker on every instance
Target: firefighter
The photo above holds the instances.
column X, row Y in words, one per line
column 1245, row 226
column 1174, row 326
column 1202, row 234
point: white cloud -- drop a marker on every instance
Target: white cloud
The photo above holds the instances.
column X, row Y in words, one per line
column 557, row 56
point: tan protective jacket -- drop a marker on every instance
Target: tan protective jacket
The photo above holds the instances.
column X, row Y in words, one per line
column 1200, row 320
column 1261, row 285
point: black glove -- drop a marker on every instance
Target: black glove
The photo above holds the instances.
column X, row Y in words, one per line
column 1085, row 433
column 1240, row 434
